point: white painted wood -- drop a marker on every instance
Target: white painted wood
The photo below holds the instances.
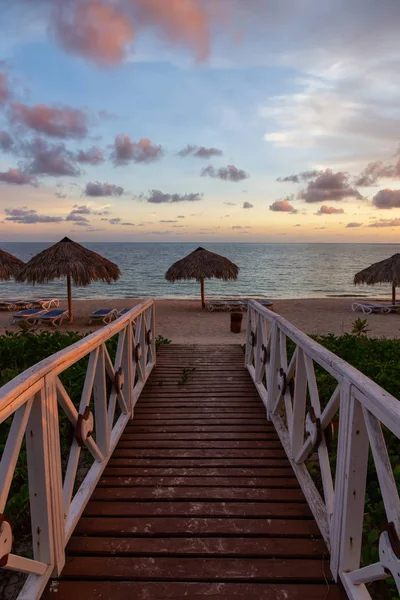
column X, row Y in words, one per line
column 89, row 379
column 384, row 471
column 299, row 405
column 355, row 449
column 34, row 586
column 70, row 474
column 12, row 449
column 373, row 572
column 100, row 405
column 25, row 565
column 39, row 476
column 306, row 483
column 355, row 592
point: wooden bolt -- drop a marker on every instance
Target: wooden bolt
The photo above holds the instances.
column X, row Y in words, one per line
column 84, row 426
column 6, row 539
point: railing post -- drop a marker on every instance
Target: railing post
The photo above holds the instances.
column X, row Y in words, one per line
column 248, row 331
column 45, row 480
column 350, row 484
column 273, row 367
column 127, row 366
column 100, row 405
column 299, row 405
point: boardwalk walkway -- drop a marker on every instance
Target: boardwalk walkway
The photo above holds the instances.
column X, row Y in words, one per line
column 199, row 499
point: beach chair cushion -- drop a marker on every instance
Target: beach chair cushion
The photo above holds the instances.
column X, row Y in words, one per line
column 104, row 314
column 29, row 315
column 55, row 316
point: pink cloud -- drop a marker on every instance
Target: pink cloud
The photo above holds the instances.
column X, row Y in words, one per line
column 93, row 156
column 6, row 140
column 104, row 31
column 142, row 151
column 94, row 29
column 5, row 93
column 17, row 177
column 329, row 210
column 50, row 159
column 56, row 122
column 282, row 206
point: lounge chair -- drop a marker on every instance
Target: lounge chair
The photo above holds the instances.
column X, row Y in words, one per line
column 212, row 305
column 235, row 305
column 374, row 307
column 55, row 317
column 29, row 315
column 123, row 311
column 45, row 303
column 106, row 315
column 8, row 305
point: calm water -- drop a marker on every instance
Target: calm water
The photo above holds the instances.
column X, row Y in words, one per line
column 267, row 270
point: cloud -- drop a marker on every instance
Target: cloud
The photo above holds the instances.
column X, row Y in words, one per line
column 76, row 217
column 127, row 223
column 353, row 224
column 166, row 221
column 142, row 151
column 329, row 210
column 181, row 217
column 103, row 31
column 248, row 205
column 199, row 152
column 5, row 93
column 6, row 141
column 230, row 203
column 93, row 156
column 283, row 206
column 329, row 186
column 61, row 195
column 49, row 159
column 115, row 221
column 241, row 227
column 157, row 197
column 387, row 199
column 229, row 173
column 386, row 223
column 62, row 122
column 17, row 177
column 95, row 188
column 375, row 171
column 28, row 217
column 81, row 210
column 304, row 176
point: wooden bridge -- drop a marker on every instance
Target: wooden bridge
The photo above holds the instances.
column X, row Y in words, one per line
column 193, row 492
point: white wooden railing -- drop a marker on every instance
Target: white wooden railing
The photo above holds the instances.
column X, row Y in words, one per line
column 107, row 402
column 290, row 393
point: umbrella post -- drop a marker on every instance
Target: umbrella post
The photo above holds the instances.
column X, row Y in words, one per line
column 69, row 292
column 203, row 300
column 393, row 294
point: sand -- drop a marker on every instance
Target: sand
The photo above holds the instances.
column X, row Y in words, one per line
column 183, row 321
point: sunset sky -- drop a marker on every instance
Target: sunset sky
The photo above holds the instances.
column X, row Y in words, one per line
column 167, row 120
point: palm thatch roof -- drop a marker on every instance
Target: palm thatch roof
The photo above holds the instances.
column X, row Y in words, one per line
column 69, row 259
column 202, row 264
column 384, row 271
column 9, row 265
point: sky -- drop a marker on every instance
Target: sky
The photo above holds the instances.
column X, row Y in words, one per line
column 200, row 120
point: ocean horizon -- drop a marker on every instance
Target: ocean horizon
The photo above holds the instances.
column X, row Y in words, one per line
column 276, row 270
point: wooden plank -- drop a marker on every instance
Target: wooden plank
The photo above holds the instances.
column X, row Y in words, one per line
column 129, row 590
column 262, row 435
column 204, row 420
column 200, row 569
column 191, row 546
column 262, row 510
column 215, row 444
column 213, row 462
column 114, row 480
column 196, row 493
column 198, row 472
column 200, row 453
column 233, row 429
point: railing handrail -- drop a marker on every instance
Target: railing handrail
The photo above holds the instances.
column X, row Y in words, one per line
column 22, row 382
column 387, row 405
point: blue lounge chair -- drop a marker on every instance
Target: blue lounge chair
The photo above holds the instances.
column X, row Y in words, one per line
column 30, row 316
column 123, row 311
column 106, row 315
column 55, row 317
column 46, row 303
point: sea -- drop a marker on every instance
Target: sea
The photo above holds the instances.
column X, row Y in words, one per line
column 266, row 270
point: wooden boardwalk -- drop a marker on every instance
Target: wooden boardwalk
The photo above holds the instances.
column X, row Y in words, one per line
column 199, row 499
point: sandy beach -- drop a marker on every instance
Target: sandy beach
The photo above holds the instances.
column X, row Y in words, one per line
column 183, row 321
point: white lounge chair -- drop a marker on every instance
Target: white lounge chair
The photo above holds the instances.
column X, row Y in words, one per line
column 29, row 315
column 374, row 307
column 54, row 317
column 212, row 305
column 45, row 303
column 106, row 315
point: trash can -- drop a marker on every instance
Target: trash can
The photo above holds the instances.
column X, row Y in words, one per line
column 236, row 322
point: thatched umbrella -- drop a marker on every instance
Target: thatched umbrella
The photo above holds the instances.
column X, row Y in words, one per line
column 200, row 265
column 9, row 265
column 384, row 271
column 71, row 260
